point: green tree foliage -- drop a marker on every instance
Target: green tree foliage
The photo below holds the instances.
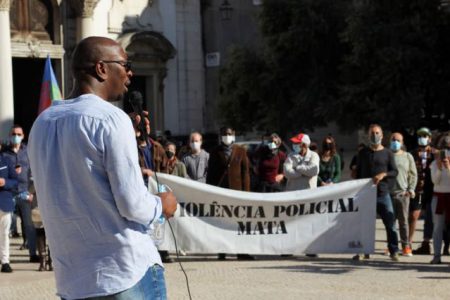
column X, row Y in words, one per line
column 396, row 72
column 290, row 84
column 354, row 62
column 243, row 91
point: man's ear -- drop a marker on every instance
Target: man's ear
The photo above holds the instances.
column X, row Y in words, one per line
column 101, row 71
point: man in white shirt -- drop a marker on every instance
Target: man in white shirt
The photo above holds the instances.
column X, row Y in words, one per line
column 302, row 165
column 95, row 207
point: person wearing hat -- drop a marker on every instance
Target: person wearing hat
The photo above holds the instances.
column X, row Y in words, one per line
column 423, row 156
column 302, row 165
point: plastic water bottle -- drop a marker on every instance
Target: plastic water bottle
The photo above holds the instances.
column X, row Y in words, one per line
column 158, row 230
column 159, row 225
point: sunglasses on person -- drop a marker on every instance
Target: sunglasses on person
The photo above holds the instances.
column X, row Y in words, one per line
column 126, row 64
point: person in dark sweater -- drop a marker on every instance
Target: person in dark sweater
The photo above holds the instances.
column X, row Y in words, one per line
column 270, row 166
column 378, row 163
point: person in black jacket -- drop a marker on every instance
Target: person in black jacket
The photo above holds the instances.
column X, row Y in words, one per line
column 378, row 163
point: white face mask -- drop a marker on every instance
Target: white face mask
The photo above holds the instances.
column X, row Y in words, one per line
column 422, row 141
column 196, row 146
column 227, row 139
column 296, row 148
column 272, row 146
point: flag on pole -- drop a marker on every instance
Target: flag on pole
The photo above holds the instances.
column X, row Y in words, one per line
column 49, row 89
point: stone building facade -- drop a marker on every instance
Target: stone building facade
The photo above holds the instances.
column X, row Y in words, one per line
column 163, row 38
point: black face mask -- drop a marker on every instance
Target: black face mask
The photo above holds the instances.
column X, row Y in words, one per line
column 170, row 154
column 326, row 146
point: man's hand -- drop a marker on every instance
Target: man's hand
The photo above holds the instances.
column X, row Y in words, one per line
column 2, row 181
column 279, row 178
column 137, row 119
column 377, row 178
column 147, row 172
column 169, row 204
column 30, row 198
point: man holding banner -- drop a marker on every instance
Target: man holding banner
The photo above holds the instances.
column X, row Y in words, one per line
column 378, row 163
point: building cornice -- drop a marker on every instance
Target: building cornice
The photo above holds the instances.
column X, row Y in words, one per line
column 84, row 8
column 4, row 5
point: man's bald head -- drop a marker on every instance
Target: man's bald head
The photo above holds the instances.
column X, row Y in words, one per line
column 91, row 50
column 100, row 66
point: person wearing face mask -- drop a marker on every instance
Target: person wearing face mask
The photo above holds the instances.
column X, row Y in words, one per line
column 403, row 189
column 228, row 167
column 423, row 157
column 302, row 165
column 270, row 161
column 17, row 152
column 378, row 163
column 174, row 166
column 330, row 163
column 440, row 203
column 8, row 185
column 196, row 161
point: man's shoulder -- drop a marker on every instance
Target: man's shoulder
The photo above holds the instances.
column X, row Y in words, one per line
column 7, row 151
column 87, row 105
column 314, row 155
column 239, row 149
column 155, row 143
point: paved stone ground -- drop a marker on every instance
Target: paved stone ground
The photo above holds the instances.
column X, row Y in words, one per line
column 326, row 277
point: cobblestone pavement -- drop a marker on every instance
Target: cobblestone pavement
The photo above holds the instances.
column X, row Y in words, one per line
column 270, row 277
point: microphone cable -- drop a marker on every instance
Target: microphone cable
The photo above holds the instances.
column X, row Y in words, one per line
column 179, row 262
column 176, row 247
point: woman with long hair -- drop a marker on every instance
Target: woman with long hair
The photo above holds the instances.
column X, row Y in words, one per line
column 330, row 163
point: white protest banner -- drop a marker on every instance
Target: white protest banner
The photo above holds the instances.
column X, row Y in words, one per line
column 334, row 219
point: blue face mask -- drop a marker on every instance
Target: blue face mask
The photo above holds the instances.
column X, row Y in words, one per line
column 296, row 148
column 422, row 141
column 395, row 146
column 16, row 140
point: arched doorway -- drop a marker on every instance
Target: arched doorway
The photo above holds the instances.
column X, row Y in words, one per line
column 35, row 33
column 149, row 52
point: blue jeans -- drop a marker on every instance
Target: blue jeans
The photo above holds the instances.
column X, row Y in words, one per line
column 24, row 207
column 151, row 287
column 386, row 211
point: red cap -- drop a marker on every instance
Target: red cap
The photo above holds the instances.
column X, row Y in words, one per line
column 301, row 138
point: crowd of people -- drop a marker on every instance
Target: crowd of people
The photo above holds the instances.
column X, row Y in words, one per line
column 408, row 183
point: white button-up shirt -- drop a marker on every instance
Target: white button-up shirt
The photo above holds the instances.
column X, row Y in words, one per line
column 94, row 204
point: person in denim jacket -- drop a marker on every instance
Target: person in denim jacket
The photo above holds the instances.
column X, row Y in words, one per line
column 8, row 185
column 17, row 152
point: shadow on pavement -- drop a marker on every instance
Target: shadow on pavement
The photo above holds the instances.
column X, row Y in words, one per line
column 343, row 265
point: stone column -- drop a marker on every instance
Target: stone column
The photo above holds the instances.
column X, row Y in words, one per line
column 85, row 22
column 6, row 78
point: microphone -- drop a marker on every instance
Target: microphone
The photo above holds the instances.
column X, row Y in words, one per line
column 136, row 100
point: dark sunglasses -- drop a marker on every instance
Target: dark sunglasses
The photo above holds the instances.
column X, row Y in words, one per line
column 126, row 64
